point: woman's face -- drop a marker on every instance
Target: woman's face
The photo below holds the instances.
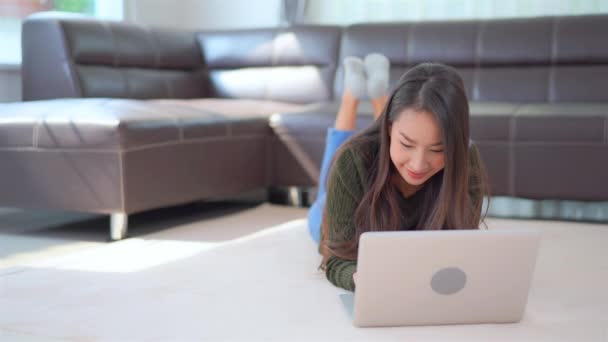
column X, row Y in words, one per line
column 416, row 147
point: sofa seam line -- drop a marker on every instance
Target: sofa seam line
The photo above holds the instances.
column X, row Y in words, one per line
column 153, row 39
column 477, row 60
column 36, row 129
column 131, row 149
column 338, row 51
column 605, row 129
column 512, row 168
column 229, row 129
column 552, row 58
column 408, row 50
column 192, row 141
column 36, row 132
column 107, row 28
column 247, row 137
column 77, row 83
column 178, row 122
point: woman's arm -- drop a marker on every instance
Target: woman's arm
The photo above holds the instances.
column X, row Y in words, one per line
column 340, row 272
column 344, row 192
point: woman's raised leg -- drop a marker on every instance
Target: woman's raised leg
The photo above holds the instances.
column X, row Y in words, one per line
column 344, row 128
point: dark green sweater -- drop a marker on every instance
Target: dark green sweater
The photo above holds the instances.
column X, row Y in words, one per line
column 346, row 187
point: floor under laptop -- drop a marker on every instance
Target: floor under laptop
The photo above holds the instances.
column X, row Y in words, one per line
column 248, row 272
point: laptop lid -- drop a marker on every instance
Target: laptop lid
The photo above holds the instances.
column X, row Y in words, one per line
column 443, row 277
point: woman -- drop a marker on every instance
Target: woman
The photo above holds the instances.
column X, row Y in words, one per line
column 413, row 169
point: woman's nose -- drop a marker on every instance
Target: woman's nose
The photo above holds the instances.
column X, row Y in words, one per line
column 418, row 162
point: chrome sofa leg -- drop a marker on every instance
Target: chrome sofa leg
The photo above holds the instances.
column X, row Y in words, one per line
column 118, row 226
column 292, row 196
column 295, row 196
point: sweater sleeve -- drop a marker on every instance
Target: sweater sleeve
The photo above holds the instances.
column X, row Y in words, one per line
column 344, row 193
column 476, row 191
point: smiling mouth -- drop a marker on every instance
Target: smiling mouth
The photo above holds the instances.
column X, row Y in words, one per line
column 416, row 175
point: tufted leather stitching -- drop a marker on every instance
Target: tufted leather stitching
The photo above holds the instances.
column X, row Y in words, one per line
column 76, row 82
column 606, row 129
column 552, row 61
column 477, row 59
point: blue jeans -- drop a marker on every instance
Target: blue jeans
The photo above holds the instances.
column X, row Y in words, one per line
column 335, row 138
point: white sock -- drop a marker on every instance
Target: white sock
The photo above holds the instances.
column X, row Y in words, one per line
column 377, row 69
column 354, row 76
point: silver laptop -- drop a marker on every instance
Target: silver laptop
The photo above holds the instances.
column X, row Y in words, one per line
column 442, row 277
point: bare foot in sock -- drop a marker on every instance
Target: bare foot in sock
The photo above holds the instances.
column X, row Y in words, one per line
column 377, row 70
column 354, row 77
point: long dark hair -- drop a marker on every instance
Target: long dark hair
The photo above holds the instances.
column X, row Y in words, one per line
column 446, row 201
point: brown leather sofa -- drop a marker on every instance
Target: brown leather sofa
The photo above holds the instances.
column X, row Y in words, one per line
column 123, row 118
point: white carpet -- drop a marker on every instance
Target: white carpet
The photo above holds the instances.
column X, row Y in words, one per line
column 220, row 281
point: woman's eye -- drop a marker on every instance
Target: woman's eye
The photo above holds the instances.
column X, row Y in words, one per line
column 406, row 145
column 437, row 151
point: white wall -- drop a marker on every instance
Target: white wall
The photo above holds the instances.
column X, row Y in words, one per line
column 346, row 12
column 204, row 14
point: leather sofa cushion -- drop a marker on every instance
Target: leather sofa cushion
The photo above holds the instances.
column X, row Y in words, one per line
column 125, row 45
column 295, row 64
column 547, row 59
column 111, row 124
column 498, row 122
column 520, row 145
